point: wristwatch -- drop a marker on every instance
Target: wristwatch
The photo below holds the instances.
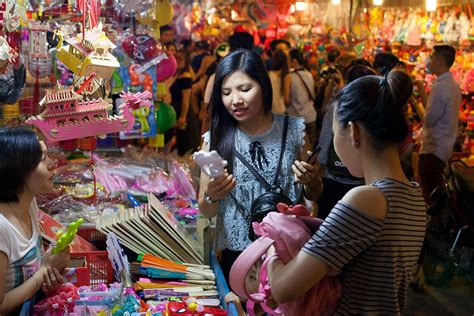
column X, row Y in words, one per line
column 207, row 199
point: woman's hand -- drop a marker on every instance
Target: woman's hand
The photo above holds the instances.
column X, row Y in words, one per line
column 305, row 173
column 58, row 261
column 52, row 280
column 218, row 188
column 180, row 122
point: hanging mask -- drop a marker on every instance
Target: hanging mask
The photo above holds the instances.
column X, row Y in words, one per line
column 141, row 48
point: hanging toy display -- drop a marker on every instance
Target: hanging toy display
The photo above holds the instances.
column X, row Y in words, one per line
column 145, row 125
column 12, row 73
column 12, row 81
column 68, row 117
column 140, row 48
column 39, row 61
column 89, row 53
column 166, row 68
column 132, row 6
column 159, row 14
column 165, row 117
column 7, row 54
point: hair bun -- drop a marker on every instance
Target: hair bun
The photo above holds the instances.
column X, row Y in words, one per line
column 378, row 103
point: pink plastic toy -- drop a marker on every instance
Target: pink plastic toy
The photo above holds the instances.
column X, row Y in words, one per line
column 287, row 231
column 467, row 84
column 68, row 117
column 60, row 302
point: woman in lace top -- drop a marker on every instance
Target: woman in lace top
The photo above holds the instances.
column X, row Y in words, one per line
column 242, row 120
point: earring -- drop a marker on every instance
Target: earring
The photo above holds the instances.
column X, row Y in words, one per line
column 356, row 144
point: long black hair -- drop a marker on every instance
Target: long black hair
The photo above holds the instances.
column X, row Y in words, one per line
column 378, row 103
column 298, row 56
column 280, row 62
column 20, row 154
column 223, row 125
column 187, row 62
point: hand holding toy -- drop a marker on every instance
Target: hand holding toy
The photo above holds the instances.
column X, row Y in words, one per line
column 211, row 163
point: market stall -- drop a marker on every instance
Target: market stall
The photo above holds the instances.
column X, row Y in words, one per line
column 93, row 77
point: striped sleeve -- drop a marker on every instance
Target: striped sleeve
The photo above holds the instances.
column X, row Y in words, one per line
column 345, row 233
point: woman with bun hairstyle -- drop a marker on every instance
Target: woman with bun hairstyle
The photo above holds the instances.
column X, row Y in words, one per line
column 374, row 234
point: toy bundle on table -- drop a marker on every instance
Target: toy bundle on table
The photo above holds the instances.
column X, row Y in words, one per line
column 162, row 287
column 116, row 183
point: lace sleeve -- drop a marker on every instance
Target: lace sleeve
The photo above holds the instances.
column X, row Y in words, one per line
column 207, row 137
column 299, row 127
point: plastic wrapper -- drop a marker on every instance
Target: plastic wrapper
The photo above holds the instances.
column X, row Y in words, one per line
column 120, row 183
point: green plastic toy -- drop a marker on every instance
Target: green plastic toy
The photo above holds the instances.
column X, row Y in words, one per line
column 66, row 238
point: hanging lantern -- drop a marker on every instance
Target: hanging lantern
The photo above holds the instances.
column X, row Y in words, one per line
column 431, row 5
column 336, row 2
column 301, row 6
column 378, row 2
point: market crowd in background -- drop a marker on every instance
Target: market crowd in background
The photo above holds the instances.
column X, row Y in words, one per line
column 303, row 86
column 306, row 87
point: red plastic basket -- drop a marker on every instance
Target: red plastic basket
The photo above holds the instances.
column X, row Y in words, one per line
column 100, row 269
column 91, row 234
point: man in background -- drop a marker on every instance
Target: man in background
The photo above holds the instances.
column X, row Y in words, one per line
column 166, row 34
column 439, row 113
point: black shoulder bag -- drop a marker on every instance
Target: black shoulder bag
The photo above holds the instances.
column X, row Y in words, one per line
column 268, row 201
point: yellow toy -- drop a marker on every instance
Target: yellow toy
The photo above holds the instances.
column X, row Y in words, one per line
column 142, row 116
column 84, row 56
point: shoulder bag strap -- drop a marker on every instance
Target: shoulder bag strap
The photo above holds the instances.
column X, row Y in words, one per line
column 252, row 169
column 306, row 87
column 280, row 159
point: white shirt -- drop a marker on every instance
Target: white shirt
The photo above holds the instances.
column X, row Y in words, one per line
column 278, row 103
column 300, row 101
column 24, row 255
column 440, row 124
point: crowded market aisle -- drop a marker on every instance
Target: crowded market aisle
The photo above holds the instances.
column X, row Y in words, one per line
column 145, row 147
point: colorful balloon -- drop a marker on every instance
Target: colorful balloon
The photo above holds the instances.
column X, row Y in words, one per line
column 34, row 5
column 133, row 6
column 165, row 117
column 166, row 68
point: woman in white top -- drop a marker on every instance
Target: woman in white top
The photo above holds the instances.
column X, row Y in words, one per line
column 25, row 171
column 302, row 94
column 281, row 82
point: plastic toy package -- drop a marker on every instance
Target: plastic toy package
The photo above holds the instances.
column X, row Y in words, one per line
column 120, row 183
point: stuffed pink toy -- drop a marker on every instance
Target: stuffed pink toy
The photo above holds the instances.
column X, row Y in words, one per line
column 287, row 231
column 60, row 302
